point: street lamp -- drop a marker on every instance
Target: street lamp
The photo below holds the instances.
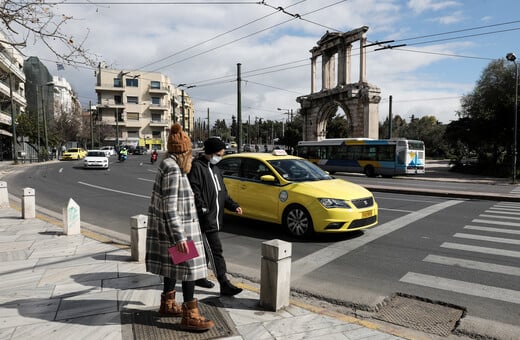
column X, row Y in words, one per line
column 288, row 113
column 512, row 57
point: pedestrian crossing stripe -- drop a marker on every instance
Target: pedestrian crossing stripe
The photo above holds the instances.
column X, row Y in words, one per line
column 463, row 287
column 487, row 238
column 493, row 230
column 484, row 250
column 470, row 264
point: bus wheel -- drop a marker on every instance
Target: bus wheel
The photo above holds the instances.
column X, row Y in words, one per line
column 369, row 171
column 298, row 221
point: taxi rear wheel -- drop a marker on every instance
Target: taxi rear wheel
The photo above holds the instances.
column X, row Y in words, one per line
column 298, row 221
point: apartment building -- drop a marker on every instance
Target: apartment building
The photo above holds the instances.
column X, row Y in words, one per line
column 140, row 106
column 12, row 96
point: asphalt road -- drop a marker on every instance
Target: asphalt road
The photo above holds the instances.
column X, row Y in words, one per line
column 456, row 251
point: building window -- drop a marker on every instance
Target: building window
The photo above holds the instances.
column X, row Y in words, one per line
column 132, row 115
column 132, row 82
column 155, row 84
column 156, row 134
column 117, row 82
column 132, row 100
column 156, row 101
column 156, row 117
column 133, row 134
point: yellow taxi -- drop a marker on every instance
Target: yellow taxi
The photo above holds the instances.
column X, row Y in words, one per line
column 74, row 153
column 291, row 191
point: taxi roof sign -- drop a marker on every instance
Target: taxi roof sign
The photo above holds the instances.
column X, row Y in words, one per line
column 279, row 152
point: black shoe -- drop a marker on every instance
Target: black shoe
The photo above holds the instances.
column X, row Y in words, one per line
column 228, row 289
column 204, row 283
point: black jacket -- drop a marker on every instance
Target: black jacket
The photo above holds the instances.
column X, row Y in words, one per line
column 211, row 196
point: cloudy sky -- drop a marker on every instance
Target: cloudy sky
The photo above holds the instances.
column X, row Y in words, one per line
column 448, row 45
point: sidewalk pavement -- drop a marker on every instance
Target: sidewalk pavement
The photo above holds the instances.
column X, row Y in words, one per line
column 85, row 287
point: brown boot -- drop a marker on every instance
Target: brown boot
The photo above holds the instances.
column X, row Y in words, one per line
column 192, row 320
column 168, row 305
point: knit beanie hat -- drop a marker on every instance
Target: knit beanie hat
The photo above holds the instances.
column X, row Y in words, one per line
column 213, row 145
column 178, row 140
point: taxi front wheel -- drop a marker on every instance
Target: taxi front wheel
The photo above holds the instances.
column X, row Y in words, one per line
column 298, row 221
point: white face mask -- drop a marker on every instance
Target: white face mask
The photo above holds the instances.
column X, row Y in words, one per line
column 215, row 159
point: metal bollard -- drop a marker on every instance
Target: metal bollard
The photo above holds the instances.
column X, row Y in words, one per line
column 275, row 275
column 138, row 225
column 28, row 203
column 71, row 218
column 4, row 195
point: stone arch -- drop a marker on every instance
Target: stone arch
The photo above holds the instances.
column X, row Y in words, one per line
column 324, row 113
column 359, row 101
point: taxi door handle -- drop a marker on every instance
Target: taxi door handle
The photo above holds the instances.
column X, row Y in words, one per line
column 243, row 187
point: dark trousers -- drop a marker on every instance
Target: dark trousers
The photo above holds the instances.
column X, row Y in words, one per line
column 216, row 249
column 188, row 288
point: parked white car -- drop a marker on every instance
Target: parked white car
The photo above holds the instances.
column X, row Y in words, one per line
column 96, row 159
column 109, row 150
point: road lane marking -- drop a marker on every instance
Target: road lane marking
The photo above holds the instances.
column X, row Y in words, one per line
column 484, row 250
column 503, row 211
column 484, row 266
column 328, row 254
column 494, row 230
column 146, row 179
column 398, row 210
column 113, row 190
column 487, row 238
column 500, row 216
column 464, row 287
column 511, row 224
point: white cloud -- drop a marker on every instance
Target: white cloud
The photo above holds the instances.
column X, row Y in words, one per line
column 420, row 6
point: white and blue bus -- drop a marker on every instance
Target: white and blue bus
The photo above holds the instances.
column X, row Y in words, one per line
column 373, row 157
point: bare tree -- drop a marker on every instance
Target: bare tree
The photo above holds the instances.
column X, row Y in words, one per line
column 22, row 20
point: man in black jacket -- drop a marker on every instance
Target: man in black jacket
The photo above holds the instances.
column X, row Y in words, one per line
column 211, row 197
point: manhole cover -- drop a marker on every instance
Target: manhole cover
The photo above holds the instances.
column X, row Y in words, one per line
column 147, row 325
column 420, row 315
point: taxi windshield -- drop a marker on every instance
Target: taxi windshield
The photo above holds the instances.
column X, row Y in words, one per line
column 298, row 170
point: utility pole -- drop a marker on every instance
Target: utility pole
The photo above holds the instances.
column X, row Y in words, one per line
column 390, row 118
column 182, row 109
column 209, row 128
column 13, row 119
column 91, row 126
column 239, row 109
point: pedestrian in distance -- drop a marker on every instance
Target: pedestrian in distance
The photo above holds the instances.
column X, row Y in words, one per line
column 211, row 197
column 172, row 221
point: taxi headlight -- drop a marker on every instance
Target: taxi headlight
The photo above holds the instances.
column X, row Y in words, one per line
column 330, row 203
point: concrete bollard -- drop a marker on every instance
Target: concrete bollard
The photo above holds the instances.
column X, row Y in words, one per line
column 71, row 218
column 138, row 225
column 4, row 195
column 275, row 275
column 28, row 203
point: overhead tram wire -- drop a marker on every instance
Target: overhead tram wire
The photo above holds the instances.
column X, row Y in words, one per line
column 247, row 36
column 156, row 3
column 218, row 36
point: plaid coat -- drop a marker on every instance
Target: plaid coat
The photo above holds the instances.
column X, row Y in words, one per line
column 172, row 217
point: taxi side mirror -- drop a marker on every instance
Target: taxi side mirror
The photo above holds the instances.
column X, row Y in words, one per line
column 267, row 178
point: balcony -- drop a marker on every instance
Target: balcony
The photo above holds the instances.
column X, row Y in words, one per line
column 109, row 87
column 5, row 118
column 159, row 123
column 158, row 107
column 158, row 90
column 12, row 66
column 4, row 89
column 134, row 123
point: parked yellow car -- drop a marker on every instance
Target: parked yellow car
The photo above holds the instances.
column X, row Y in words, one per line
column 291, row 191
column 74, row 154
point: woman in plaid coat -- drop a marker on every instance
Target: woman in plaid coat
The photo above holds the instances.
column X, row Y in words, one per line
column 172, row 220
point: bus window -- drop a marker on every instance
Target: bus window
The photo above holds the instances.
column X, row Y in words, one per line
column 386, row 153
